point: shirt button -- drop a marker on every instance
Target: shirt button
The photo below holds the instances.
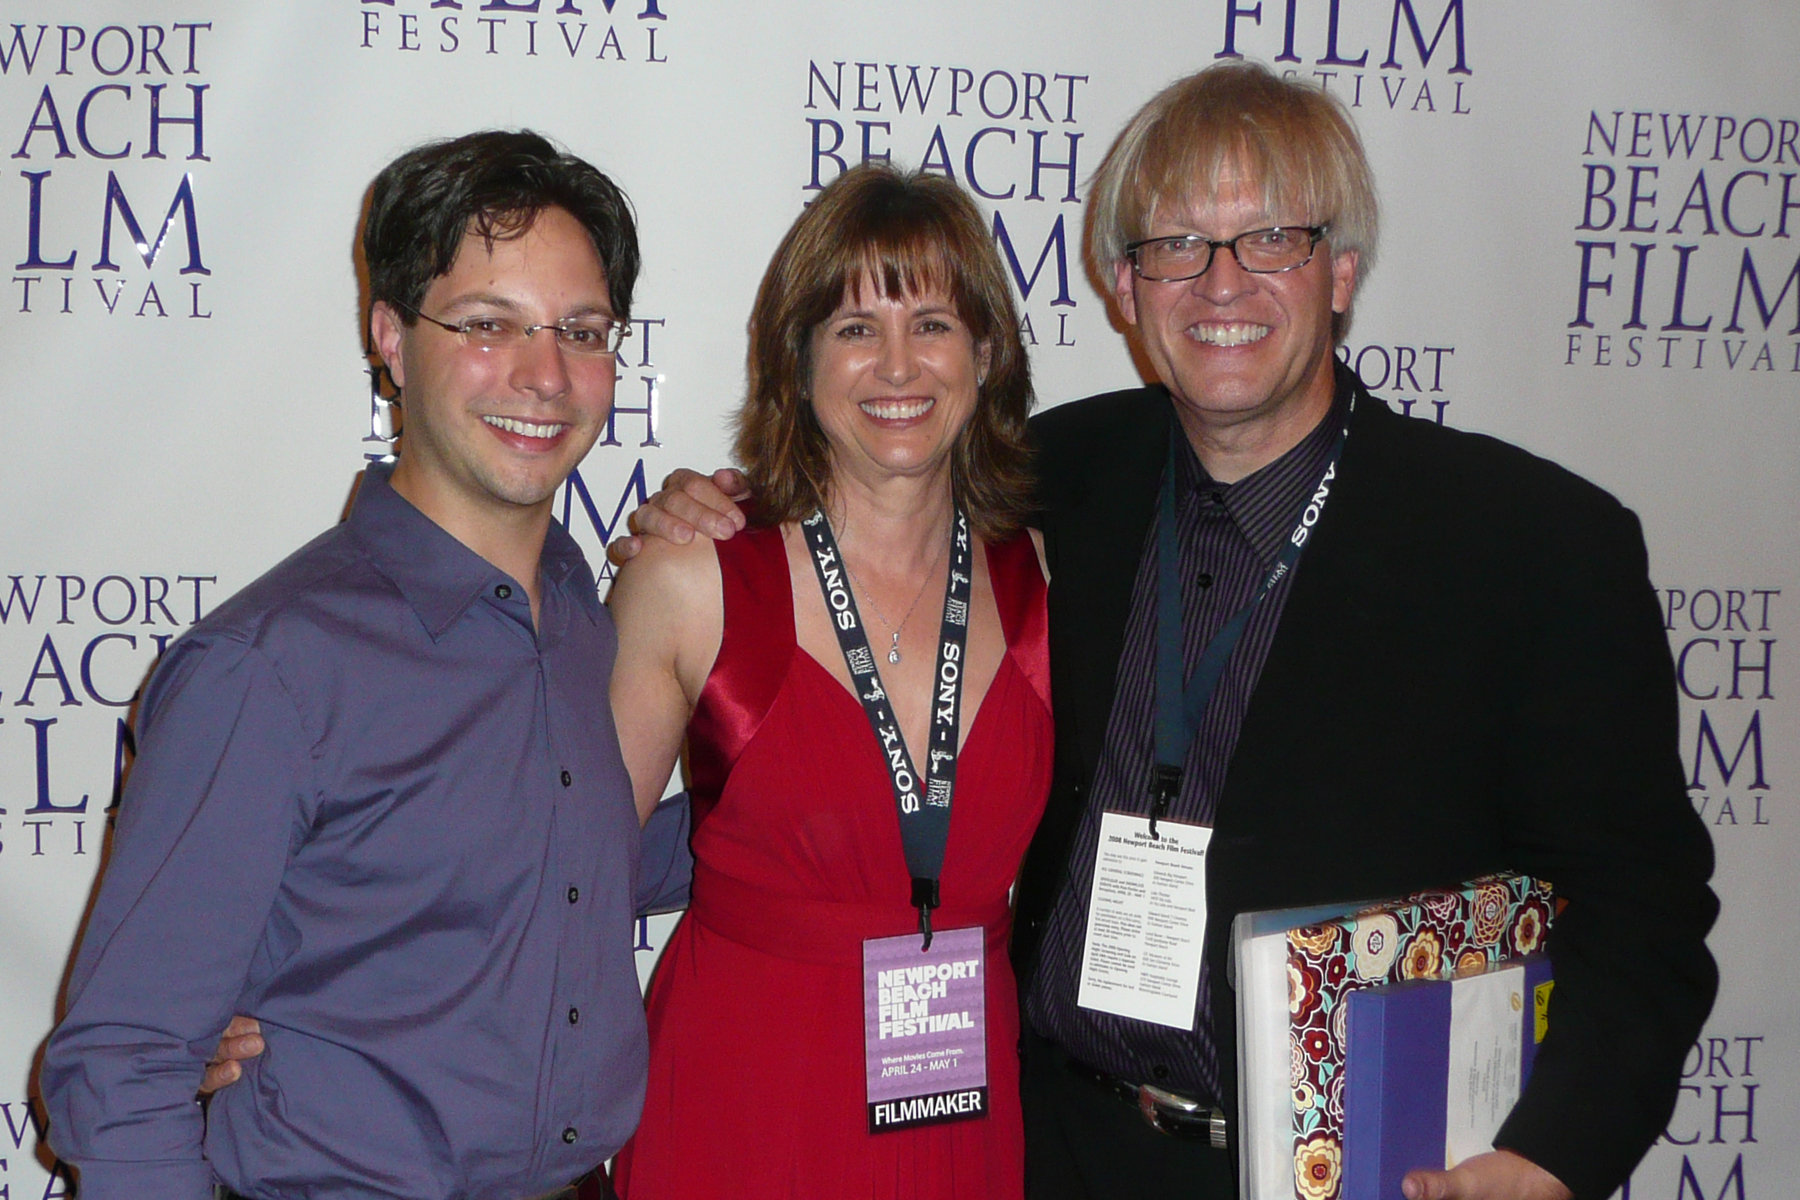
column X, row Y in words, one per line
column 569, row 1135
column 574, row 894
column 1204, row 579
column 1159, row 1071
column 574, row 1016
column 504, row 591
column 567, row 779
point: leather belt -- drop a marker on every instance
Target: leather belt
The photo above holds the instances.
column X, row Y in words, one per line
column 1166, row 1112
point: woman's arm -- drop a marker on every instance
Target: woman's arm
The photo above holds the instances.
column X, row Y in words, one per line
column 670, row 614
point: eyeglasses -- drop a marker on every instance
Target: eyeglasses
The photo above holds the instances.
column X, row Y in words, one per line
column 1259, row 251
column 588, row 336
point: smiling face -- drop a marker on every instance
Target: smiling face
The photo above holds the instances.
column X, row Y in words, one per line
column 490, row 435
column 894, row 380
column 1239, row 350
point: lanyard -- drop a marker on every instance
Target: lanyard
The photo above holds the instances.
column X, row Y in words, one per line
column 1180, row 709
column 924, row 819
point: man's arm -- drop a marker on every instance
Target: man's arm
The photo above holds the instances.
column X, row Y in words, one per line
column 1601, row 811
column 666, row 865
column 163, row 962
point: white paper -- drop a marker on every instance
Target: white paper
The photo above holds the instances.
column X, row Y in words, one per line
column 1487, row 1014
column 1146, row 926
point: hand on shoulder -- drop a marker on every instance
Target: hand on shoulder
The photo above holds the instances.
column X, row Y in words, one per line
column 688, row 503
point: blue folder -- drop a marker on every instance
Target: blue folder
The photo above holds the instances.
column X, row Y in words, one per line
column 1397, row 1058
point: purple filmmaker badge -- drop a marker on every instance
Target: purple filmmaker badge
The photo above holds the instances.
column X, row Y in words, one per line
column 925, row 1029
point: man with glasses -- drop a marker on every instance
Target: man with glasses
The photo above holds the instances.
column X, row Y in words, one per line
column 1346, row 653
column 1407, row 657
column 379, row 801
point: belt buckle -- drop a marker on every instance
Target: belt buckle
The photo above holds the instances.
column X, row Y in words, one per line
column 1153, row 1100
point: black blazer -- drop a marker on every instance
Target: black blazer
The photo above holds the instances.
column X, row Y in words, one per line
column 1470, row 675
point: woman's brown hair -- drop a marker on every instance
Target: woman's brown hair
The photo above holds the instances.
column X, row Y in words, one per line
column 906, row 234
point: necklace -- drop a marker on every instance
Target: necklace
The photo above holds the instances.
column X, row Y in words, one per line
column 893, row 654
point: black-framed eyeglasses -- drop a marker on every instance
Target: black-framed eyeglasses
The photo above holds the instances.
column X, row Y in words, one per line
column 1259, row 251
column 590, row 336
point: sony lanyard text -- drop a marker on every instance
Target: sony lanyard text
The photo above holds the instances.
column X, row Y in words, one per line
column 1180, row 709
column 924, row 818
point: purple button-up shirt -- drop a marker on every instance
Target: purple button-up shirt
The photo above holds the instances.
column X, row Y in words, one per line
column 375, row 808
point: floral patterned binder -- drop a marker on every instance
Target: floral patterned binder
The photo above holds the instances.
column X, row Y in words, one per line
column 1428, row 935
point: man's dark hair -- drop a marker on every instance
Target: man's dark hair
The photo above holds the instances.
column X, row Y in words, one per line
column 492, row 183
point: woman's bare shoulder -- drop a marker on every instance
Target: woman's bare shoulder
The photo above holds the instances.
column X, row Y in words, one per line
column 666, row 568
column 669, row 599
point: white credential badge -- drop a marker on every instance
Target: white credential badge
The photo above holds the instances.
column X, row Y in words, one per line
column 1146, row 924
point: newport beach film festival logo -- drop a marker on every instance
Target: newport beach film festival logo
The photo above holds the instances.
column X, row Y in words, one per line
column 1701, row 1154
column 612, row 480
column 1685, row 254
column 596, row 31
column 73, row 651
column 1411, row 378
column 107, row 124
column 1012, row 135
column 1723, row 639
column 1377, row 56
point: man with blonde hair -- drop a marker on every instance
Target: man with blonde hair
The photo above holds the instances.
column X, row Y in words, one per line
column 1392, row 656
column 1461, row 671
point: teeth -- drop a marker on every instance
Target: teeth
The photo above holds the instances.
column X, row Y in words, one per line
column 524, row 428
column 1238, row 333
column 896, row 410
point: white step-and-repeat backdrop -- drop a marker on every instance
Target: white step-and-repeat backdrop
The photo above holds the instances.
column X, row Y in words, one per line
column 1591, row 249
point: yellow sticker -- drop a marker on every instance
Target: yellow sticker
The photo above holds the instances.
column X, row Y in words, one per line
column 1540, row 1009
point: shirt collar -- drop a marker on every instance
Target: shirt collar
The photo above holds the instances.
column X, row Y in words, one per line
column 439, row 576
column 1265, row 504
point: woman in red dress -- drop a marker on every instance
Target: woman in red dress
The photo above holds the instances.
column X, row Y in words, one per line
column 809, row 664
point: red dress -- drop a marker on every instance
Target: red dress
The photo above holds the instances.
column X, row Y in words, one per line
column 756, row 1029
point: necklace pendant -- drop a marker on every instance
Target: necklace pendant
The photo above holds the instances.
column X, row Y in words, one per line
column 894, row 648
